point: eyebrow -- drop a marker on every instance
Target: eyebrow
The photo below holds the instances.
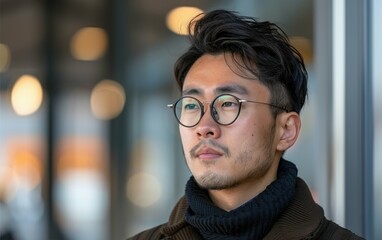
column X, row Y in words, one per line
column 192, row 91
column 232, row 88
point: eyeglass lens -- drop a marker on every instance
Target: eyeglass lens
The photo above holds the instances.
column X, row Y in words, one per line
column 224, row 110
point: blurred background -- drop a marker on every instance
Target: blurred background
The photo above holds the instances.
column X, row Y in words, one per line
column 88, row 149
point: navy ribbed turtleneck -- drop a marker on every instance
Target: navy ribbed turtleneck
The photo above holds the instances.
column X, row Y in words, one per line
column 252, row 220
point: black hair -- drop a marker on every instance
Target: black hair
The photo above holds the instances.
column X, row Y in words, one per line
column 262, row 47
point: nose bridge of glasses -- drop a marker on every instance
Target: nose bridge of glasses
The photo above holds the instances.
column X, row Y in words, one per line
column 205, row 106
column 215, row 111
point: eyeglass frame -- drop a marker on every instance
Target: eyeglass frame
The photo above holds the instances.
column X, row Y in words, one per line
column 239, row 100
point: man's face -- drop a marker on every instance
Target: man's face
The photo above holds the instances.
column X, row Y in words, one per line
column 222, row 157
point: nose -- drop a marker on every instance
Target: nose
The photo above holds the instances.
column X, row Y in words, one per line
column 208, row 127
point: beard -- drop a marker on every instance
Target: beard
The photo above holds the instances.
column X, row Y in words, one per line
column 253, row 164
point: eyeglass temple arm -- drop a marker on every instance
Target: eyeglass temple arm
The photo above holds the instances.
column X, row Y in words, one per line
column 283, row 108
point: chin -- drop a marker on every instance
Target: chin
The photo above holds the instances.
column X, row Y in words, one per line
column 213, row 181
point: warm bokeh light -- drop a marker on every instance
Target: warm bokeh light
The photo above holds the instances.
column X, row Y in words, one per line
column 107, row 99
column 304, row 46
column 177, row 20
column 84, row 154
column 27, row 167
column 89, row 43
column 143, row 189
column 5, row 57
column 23, row 168
column 27, row 95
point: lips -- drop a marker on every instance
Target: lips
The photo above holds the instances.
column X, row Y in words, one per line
column 208, row 153
column 208, row 149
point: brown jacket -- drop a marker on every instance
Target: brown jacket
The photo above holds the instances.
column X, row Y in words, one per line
column 303, row 219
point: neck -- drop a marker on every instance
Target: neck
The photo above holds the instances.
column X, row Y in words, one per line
column 232, row 198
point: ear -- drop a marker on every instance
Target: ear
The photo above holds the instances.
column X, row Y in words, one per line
column 290, row 125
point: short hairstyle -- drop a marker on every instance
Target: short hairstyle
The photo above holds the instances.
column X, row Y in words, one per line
column 263, row 50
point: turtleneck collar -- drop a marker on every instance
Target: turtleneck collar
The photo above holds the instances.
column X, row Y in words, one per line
column 252, row 220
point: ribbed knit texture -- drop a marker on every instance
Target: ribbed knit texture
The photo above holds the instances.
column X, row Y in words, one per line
column 252, row 220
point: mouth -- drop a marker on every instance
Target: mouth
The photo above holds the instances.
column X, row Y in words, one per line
column 208, row 150
column 208, row 154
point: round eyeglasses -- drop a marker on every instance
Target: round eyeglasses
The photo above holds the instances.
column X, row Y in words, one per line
column 224, row 109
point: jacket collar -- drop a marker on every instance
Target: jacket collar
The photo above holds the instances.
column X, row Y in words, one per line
column 177, row 228
column 301, row 218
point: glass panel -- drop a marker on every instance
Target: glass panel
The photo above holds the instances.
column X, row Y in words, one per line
column 22, row 120
column 81, row 169
column 376, row 55
column 77, row 61
column 22, row 167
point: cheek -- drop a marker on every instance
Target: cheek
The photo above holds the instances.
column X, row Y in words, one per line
column 244, row 128
column 251, row 134
column 185, row 137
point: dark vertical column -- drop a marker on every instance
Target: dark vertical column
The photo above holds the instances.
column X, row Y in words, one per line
column 323, row 65
column 51, row 93
column 119, row 145
column 357, row 113
column 369, row 127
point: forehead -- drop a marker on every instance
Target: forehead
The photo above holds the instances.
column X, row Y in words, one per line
column 217, row 74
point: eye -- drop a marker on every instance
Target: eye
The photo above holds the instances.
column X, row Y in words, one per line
column 228, row 104
column 191, row 106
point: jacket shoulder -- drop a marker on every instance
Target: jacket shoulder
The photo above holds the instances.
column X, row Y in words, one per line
column 334, row 231
column 151, row 234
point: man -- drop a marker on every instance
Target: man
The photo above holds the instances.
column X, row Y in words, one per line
column 243, row 86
